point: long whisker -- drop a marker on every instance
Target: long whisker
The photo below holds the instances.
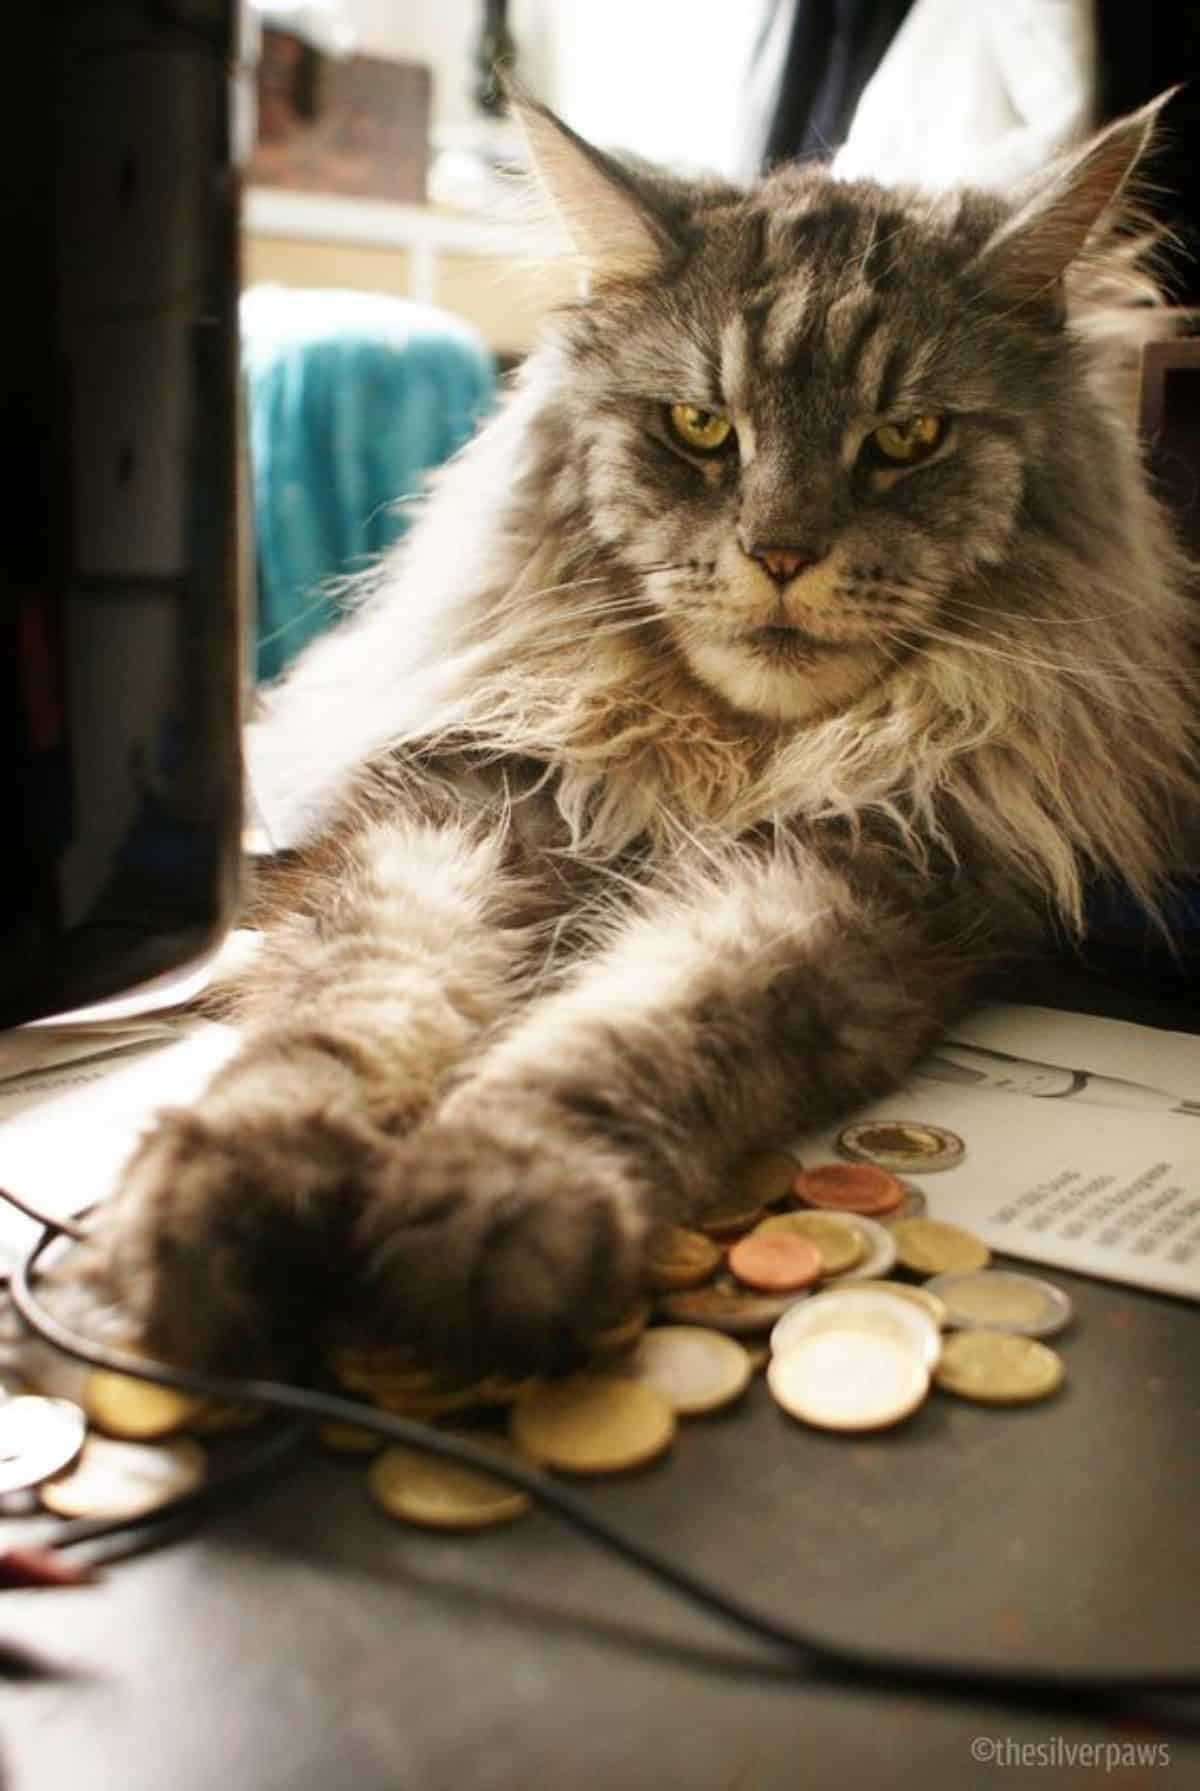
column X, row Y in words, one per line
column 1101, row 671
column 1114, row 699
column 1084, row 620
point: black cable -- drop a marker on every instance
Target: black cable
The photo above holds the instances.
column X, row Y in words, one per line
column 71, row 1228
column 1053, row 1687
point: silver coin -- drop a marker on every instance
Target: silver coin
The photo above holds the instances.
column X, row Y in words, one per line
column 880, row 1259
column 848, row 1309
column 912, row 1146
column 119, row 1479
column 1001, row 1300
column 913, row 1206
column 38, row 1437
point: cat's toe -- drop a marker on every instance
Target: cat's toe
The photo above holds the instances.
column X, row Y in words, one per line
column 228, row 1242
column 501, row 1252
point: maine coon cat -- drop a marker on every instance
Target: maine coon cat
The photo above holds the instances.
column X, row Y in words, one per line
column 790, row 652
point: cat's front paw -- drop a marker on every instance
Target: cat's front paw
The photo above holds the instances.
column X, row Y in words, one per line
column 502, row 1245
column 228, row 1244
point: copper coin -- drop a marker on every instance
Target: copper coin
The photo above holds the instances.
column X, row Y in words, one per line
column 776, row 1261
column 849, row 1188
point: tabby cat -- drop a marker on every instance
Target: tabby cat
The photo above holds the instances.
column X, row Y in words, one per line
column 795, row 648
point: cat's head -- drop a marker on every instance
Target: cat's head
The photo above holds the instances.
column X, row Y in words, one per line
column 813, row 420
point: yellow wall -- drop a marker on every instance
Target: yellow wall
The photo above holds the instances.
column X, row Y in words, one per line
column 503, row 299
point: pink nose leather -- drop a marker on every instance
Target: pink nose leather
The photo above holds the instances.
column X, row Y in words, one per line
column 781, row 562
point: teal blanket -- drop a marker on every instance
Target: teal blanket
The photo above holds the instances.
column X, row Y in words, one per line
column 352, row 398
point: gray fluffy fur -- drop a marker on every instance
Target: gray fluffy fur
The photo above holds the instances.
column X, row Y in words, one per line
column 599, row 885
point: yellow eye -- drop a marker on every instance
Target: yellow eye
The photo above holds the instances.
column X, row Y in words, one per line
column 911, row 440
column 703, row 431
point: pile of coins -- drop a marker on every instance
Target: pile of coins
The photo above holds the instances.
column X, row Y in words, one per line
column 810, row 1272
column 804, row 1291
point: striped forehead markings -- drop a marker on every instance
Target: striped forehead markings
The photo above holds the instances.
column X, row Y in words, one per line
column 788, row 319
column 854, row 333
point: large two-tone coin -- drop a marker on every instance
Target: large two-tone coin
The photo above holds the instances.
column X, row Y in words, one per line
column 1002, row 1300
column 905, row 1146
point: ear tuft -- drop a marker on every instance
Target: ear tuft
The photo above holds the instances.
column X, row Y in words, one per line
column 1030, row 253
column 611, row 222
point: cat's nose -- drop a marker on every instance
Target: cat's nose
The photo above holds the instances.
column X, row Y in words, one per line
column 781, row 563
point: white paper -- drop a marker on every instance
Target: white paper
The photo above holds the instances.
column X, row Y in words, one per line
column 29, row 1049
column 1080, row 1149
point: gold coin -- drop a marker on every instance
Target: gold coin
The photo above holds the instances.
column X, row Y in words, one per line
column 390, row 1380
column 724, row 1305
column 848, row 1380
column 349, row 1439
column 402, row 1387
column 361, row 1369
column 592, row 1423
column 731, row 1219
column 441, row 1495
column 217, row 1415
column 840, row 1244
column 680, row 1258
column 932, row 1247
column 765, row 1176
column 695, row 1370
column 916, row 1296
column 123, row 1479
column 620, row 1336
column 999, row 1368
column 123, row 1406
column 437, row 1401
column 501, row 1389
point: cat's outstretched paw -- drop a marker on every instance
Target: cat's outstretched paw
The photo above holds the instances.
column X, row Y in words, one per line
column 501, row 1246
column 228, row 1245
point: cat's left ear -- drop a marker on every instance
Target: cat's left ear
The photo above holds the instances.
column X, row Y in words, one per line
column 1032, row 250
column 611, row 219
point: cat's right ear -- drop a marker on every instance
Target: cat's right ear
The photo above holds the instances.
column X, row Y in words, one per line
column 613, row 225
column 1031, row 252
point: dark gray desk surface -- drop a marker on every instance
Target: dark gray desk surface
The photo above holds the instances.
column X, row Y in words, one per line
column 304, row 1643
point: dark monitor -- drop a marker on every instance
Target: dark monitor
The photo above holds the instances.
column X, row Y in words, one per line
column 120, row 631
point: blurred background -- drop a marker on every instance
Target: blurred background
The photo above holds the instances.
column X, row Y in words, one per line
column 381, row 145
